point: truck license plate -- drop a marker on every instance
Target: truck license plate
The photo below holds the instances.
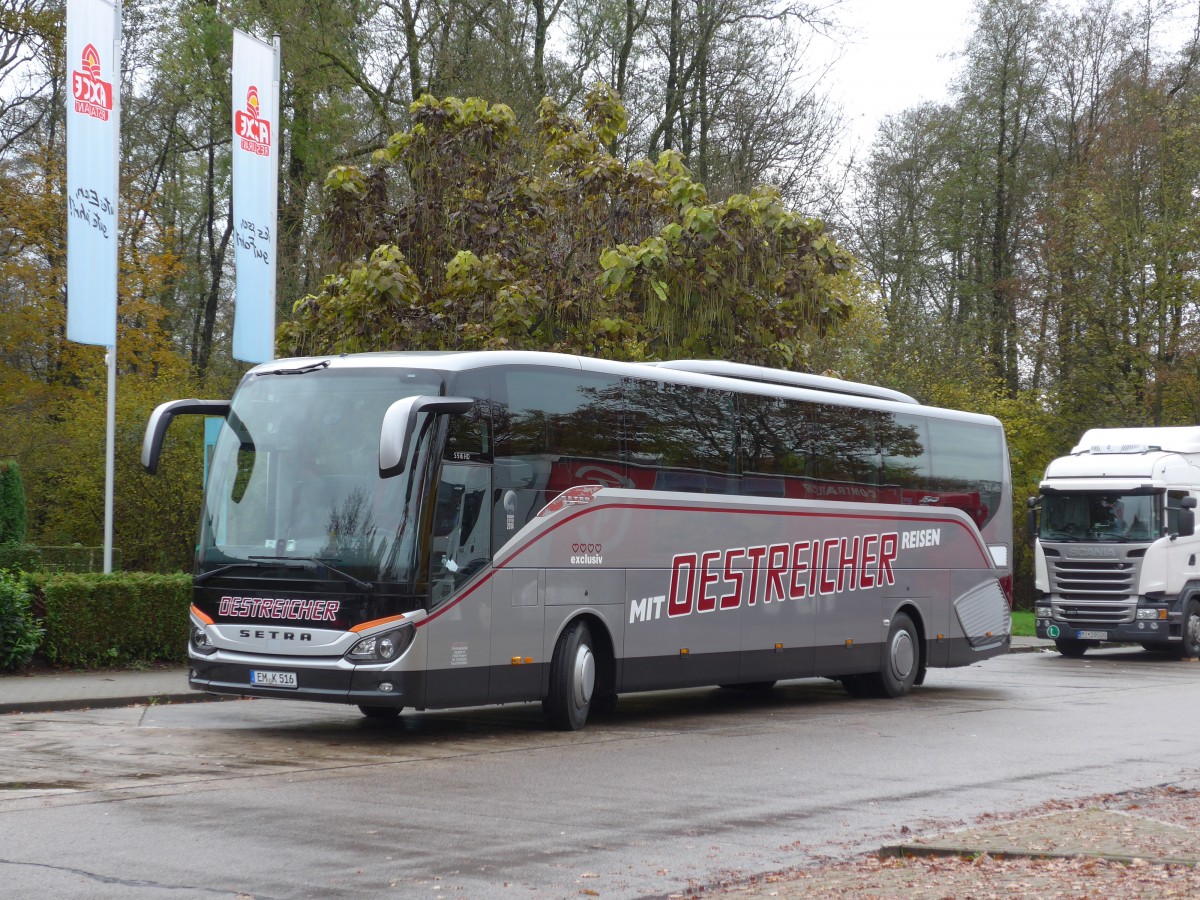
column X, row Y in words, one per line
column 261, row 678
column 1092, row 635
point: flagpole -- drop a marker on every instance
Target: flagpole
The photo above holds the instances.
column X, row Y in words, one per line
column 110, row 450
column 109, row 457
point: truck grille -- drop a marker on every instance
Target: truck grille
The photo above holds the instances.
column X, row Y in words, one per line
column 1094, row 591
column 1087, row 579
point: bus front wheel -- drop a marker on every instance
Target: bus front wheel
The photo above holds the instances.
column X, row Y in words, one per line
column 572, row 679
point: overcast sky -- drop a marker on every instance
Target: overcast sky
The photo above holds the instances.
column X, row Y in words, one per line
column 897, row 55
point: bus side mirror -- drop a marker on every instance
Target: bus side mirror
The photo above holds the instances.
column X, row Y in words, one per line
column 160, row 419
column 1187, row 516
column 1031, row 522
column 399, row 423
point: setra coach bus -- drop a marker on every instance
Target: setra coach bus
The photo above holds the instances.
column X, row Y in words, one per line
column 432, row 530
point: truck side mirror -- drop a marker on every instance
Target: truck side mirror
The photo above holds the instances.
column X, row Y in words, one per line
column 1187, row 516
column 1031, row 522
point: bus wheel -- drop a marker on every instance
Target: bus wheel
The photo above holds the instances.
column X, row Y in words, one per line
column 901, row 659
column 572, row 679
column 380, row 712
column 1071, row 648
column 1190, row 648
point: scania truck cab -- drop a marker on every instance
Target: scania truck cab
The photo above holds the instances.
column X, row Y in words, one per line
column 1115, row 554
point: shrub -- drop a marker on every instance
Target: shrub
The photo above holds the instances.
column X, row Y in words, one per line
column 19, row 633
column 20, row 558
column 112, row 620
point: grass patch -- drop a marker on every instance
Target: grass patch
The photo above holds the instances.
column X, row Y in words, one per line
column 1023, row 623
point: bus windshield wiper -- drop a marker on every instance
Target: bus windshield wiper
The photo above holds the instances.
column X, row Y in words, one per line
column 299, row 370
column 204, row 576
column 321, row 564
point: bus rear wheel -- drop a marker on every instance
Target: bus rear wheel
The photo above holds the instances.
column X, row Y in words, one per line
column 572, row 679
column 381, row 712
column 901, row 658
column 899, row 668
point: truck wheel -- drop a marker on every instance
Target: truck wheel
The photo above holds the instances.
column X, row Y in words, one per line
column 1190, row 648
column 380, row 712
column 1071, row 647
column 572, row 679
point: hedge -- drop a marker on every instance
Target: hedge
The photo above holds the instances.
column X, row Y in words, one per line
column 112, row 620
column 20, row 635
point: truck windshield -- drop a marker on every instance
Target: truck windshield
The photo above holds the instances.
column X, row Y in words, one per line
column 294, row 480
column 1095, row 516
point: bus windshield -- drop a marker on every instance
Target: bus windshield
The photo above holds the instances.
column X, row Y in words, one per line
column 1100, row 516
column 294, row 480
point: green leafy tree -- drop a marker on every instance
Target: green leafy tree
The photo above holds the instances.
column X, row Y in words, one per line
column 463, row 237
column 13, row 520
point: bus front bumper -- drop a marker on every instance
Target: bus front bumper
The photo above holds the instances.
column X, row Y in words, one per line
column 285, row 679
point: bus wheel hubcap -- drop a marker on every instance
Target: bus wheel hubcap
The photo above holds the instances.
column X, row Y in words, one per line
column 903, row 654
column 585, row 676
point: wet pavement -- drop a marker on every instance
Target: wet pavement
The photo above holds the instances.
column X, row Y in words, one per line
column 1160, row 828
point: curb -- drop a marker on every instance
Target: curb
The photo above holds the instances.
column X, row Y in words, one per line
column 82, row 703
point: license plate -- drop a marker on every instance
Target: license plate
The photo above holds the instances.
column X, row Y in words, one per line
column 260, row 678
column 1092, row 635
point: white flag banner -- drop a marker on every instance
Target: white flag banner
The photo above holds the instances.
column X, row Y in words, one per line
column 255, row 174
column 93, row 141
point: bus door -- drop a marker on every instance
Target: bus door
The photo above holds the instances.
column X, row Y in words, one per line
column 459, row 549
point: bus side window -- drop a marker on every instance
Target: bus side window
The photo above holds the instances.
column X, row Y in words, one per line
column 554, row 428
column 904, row 443
column 461, row 543
column 776, row 438
column 968, row 467
column 680, row 437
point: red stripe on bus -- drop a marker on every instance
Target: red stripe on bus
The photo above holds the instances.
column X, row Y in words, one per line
column 987, row 559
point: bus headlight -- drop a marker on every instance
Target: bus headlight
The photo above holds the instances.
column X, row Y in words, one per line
column 382, row 648
column 200, row 642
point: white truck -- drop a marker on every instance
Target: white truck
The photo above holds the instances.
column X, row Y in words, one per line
column 1115, row 551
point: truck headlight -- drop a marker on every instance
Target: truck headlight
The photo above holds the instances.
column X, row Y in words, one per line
column 382, row 648
column 1151, row 613
column 1043, row 612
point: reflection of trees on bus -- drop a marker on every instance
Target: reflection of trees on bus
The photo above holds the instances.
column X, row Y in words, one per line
column 553, row 429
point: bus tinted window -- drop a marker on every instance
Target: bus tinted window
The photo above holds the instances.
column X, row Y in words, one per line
column 680, row 438
column 968, row 467
column 849, row 452
column 470, row 434
column 904, row 445
column 559, row 427
column 778, row 443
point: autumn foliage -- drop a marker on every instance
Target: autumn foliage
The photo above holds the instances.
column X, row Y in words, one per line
column 465, row 236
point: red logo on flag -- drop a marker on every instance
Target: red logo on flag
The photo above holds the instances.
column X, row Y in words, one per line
column 93, row 97
column 253, row 132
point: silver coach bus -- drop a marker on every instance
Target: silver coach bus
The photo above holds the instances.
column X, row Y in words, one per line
column 433, row 530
